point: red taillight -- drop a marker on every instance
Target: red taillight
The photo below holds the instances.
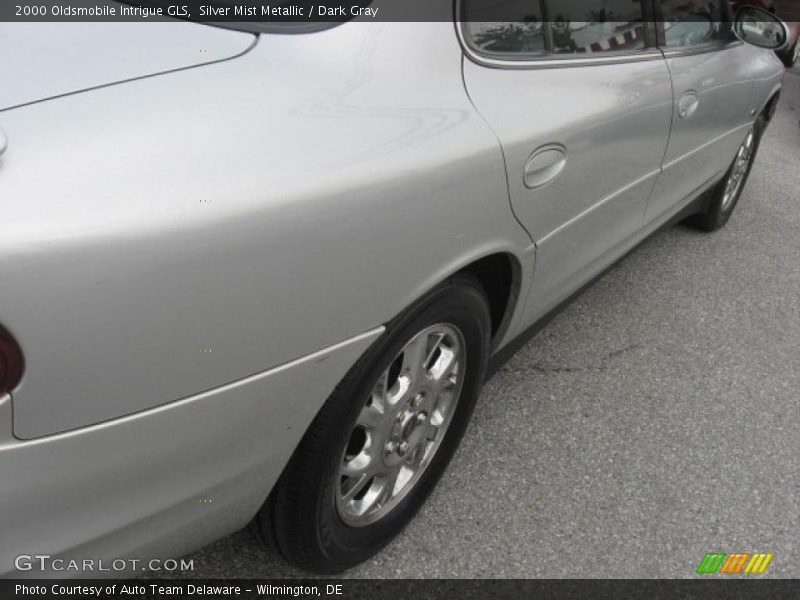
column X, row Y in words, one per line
column 11, row 362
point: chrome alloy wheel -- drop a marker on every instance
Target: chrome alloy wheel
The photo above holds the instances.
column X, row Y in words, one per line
column 737, row 175
column 401, row 425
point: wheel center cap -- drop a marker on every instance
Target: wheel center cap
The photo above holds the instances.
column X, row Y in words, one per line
column 408, row 430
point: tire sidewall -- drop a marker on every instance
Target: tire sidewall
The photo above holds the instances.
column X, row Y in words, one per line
column 787, row 56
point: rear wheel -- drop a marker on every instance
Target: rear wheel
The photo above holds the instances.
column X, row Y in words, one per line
column 384, row 437
column 727, row 192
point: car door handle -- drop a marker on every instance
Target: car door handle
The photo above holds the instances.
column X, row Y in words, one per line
column 544, row 165
column 3, row 142
column 688, row 104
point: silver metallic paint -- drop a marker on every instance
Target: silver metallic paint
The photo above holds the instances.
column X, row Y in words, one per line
column 74, row 57
column 614, row 122
column 702, row 145
column 171, row 225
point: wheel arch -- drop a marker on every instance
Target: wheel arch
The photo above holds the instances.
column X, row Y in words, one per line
column 500, row 275
column 771, row 105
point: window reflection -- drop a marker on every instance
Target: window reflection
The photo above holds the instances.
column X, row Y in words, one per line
column 554, row 26
column 693, row 22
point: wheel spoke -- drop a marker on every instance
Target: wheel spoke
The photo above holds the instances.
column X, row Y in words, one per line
column 445, row 365
column 374, row 421
column 432, row 351
column 431, row 433
column 389, row 483
column 357, row 486
column 361, row 464
column 380, row 393
column 371, row 417
column 414, row 356
column 400, row 389
column 414, row 460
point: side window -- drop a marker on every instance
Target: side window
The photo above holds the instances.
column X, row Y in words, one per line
column 694, row 23
column 518, row 28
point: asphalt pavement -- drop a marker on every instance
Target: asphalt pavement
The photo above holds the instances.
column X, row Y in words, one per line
column 655, row 419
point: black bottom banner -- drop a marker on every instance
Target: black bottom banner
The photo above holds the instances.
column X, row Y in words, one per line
column 395, row 589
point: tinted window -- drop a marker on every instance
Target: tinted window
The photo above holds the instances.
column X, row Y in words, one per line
column 524, row 27
column 693, row 22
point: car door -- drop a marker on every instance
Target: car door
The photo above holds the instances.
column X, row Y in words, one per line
column 712, row 76
column 581, row 102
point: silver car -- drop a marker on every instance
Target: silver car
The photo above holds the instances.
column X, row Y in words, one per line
column 259, row 276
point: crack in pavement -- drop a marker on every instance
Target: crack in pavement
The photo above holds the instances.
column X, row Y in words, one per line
column 542, row 367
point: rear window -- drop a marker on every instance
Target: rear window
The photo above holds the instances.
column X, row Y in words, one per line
column 521, row 28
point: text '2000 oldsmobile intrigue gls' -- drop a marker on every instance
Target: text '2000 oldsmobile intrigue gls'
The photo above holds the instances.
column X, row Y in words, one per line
column 251, row 276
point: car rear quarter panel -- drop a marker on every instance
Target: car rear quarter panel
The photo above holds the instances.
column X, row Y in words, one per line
column 164, row 481
column 169, row 235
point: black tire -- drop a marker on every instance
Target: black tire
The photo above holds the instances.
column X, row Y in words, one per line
column 718, row 210
column 301, row 518
column 788, row 55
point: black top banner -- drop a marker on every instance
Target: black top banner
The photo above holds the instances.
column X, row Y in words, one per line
column 339, row 11
column 227, row 11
